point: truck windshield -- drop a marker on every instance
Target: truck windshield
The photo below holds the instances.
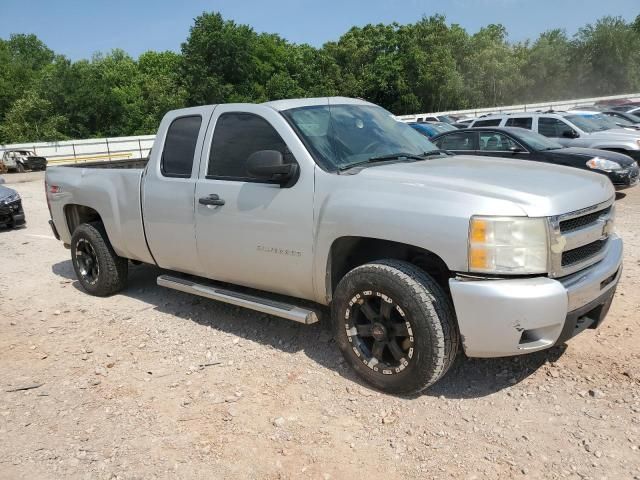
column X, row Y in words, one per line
column 344, row 135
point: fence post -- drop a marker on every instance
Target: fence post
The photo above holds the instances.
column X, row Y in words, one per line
column 140, row 148
column 73, row 145
column 108, row 149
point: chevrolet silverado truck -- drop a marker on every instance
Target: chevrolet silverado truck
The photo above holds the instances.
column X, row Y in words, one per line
column 292, row 206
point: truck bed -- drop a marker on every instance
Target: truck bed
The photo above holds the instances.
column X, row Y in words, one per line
column 112, row 189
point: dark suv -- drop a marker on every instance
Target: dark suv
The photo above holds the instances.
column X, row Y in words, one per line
column 11, row 212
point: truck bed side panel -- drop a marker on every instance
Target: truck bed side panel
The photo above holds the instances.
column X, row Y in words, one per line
column 114, row 194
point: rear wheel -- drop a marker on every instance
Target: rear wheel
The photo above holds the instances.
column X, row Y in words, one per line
column 395, row 326
column 98, row 268
column 20, row 167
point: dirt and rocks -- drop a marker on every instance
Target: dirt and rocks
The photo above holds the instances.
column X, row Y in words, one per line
column 153, row 383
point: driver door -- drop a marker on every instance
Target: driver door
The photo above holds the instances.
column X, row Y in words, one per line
column 260, row 235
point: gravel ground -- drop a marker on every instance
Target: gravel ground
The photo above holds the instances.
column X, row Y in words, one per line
column 153, row 383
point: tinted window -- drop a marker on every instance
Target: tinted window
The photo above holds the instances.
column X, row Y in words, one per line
column 495, row 142
column 236, row 137
column 456, row 141
column 487, row 123
column 536, row 141
column 552, row 127
column 180, row 146
column 522, row 122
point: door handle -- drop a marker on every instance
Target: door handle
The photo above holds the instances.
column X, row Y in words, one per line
column 212, row 199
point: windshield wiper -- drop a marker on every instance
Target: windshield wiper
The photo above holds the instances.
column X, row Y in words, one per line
column 432, row 153
column 396, row 156
column 383, row 158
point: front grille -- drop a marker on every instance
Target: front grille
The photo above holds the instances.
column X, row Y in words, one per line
column 582, row 253
column 579, row 222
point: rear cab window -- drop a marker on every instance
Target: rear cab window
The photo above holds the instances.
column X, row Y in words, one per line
column 180, row 146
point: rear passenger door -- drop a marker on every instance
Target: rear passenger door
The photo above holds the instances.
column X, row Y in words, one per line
column 462, row 143
column 168, row 187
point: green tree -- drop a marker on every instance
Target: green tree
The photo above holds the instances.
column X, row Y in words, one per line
column 32, row 118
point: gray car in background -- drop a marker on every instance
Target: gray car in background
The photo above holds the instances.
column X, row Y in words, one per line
column 572, row 129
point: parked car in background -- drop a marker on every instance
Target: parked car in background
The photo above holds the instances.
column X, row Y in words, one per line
column 464, row 123
column 301, row 204
column 628, row 108
column 429, row 130
column 570, row 129
column 613, row 102
column 22, row 160
column 11, row 212
column 608, row 122
column 436, row 118
column 513, row 142
column 623, row 118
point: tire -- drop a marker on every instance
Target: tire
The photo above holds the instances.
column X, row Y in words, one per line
column 107, row 273
column 421, row 323
column 20, row 168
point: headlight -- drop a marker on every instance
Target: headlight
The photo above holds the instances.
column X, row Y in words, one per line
column 598, row 163
column 508, row 245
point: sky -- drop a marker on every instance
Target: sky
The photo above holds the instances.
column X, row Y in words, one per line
column 79, row 28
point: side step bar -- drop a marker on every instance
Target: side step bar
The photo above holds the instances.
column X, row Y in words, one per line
column 265, row 305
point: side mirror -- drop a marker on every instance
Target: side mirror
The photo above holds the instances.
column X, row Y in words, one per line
column 268, row 165
column 515, row 149
column 570, row 134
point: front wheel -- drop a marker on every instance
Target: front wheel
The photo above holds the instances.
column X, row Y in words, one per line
column 395, row 326
column 20, row 168
column 99, row 269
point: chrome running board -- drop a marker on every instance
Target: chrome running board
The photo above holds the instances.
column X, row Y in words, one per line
column 265, row 305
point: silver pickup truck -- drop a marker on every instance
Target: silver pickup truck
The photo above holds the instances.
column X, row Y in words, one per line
column 291, row 206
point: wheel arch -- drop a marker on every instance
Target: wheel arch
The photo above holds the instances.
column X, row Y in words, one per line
column 349, row 252
column 76, row 215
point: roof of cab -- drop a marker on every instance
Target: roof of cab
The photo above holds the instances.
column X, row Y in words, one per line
column 288, row 104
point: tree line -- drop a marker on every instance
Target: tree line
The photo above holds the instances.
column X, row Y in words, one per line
column 425, row 66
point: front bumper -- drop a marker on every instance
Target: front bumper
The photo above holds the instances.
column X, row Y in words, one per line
column 36, row 163
column 630, row 177
column 12, row 214
column 504, row 317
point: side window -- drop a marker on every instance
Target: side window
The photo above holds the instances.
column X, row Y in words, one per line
column 488, row 123
column 552, row 127
column 180, row 147
column 495, row 142
column 236, row 137
column 521, row 122
column 456, row 141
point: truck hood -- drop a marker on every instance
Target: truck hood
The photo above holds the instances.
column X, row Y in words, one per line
column 538, row 189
